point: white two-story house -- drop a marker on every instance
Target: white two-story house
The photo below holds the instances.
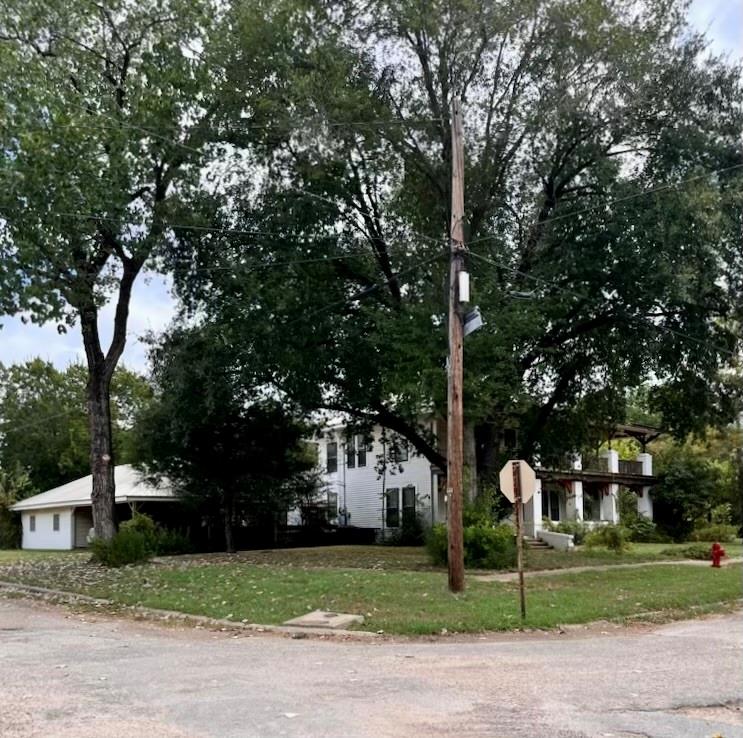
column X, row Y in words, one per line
column 375, row 480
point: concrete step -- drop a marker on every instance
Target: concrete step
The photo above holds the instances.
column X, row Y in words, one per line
column 535, row 543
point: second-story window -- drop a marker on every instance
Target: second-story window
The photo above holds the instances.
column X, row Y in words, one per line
column 331, row 462
column 362, row 446
column 351, row 452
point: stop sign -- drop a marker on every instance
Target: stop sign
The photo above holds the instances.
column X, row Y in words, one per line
column 527, row 479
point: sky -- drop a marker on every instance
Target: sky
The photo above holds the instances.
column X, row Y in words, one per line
column 153, row 306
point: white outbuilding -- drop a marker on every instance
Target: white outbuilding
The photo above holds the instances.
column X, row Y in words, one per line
column 61, row 518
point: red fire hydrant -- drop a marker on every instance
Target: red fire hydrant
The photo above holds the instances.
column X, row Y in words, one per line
column 717, row 553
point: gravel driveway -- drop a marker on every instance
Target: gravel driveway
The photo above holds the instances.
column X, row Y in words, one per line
column 67, row 675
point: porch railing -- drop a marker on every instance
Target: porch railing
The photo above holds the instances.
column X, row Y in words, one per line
column 630, row 467
column 596, row 463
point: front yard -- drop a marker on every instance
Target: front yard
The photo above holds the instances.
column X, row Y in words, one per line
column 394, row 588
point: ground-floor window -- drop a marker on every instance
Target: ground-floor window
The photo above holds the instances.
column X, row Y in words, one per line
column 408, row 503
column 55, row 522
column 551, row 504
column 32, row 523
column 392, row 507
column 591, row 504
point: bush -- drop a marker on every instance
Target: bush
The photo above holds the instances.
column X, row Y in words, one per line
column 171, row 543
column 614, row 537
column 138, row 540
column 696, row 551
column 410, row 533
column 128, row 546
column 485, row 546
column 644, row 530
column 721, row 533
column 145, row 526
column 576, row 528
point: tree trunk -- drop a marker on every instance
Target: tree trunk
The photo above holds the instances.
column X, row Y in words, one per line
column 101, row 456
column 229, row 525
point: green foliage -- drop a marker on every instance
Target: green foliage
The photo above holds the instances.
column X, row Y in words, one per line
column 126, row 547
column 15, row 485
column 613, row 537
column 172, row 542
column 720, row 532
column 687, row 491
column 485, row 546
column 701, row 553
column 45, row 425
column 138, row 540
column 230, row 453
column 721, row 514
column 144, row 526
column 639, row 528
column 576, row 528
column 663, row 288
column 411, row 533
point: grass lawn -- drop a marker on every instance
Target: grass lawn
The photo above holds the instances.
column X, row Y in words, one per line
column 11, row 556
column 392, row 600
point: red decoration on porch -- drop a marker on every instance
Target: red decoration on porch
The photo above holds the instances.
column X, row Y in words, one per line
column 717, row 553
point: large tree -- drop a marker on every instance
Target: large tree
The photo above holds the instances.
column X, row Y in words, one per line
column 106, row 109
column 43, row 423
column 603, row 188
column 230, row 452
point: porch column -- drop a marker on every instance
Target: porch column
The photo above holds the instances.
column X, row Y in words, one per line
column 644, row 501
column 574, row 501
column 609, row 507
column 533, row 512
column 574, row 496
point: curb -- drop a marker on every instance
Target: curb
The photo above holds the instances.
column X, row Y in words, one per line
column 154, row 614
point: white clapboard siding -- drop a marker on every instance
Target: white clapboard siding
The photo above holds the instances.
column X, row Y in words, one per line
column 360, row 489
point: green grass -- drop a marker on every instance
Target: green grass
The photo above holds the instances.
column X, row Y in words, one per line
column 11, row 556
column 392, row 600
column 538, row 560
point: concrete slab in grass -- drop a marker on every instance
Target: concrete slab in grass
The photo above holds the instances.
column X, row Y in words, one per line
column 325, row 619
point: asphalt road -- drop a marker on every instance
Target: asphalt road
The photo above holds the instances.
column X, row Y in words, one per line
column 66, row 675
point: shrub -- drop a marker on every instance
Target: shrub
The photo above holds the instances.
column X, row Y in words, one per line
column 695, row 551
column 145, row 526
column 138, row 540
column 437, row 544
column 410, row 533
column 721, row 533
column 576, row 528
column 614, row 537
column 171, row 543
column 644, row 530
column 128, row 546
column 485, row 546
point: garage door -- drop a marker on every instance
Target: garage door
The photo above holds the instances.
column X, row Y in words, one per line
column 83, row 524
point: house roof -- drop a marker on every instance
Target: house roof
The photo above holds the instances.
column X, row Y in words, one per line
column 130, row 487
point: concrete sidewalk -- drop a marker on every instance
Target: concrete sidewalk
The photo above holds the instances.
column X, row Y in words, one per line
column 512, row 576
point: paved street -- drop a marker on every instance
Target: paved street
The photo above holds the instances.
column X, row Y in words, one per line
column 69, row 675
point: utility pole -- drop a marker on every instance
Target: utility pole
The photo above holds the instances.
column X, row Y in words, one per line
column 455, row 423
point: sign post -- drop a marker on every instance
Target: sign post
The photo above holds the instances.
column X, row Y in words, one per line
column 517, row 483
column 519, row 535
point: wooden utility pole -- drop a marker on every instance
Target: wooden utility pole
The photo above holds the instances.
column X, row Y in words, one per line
column 455, row 424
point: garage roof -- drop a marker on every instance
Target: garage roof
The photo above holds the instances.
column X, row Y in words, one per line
column 130, row 487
